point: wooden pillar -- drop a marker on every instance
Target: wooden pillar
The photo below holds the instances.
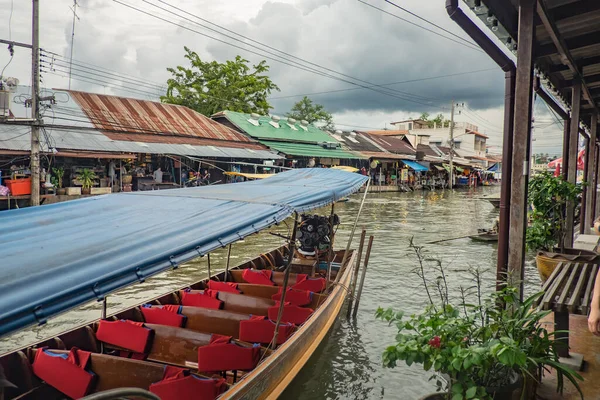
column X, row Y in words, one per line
column 507, row 158
column 590, row 159
column 521, row 140
column 595, row 185
column 583, row 227
column 572, row 166
column 565, row 152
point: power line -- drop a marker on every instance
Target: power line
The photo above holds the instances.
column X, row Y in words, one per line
column 385, row 84
column 429, row 22
column 467, row 44
column 390, row 93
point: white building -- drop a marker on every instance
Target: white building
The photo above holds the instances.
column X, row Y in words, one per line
column 469, row 143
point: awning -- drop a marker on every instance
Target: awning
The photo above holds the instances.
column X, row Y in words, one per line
column 59, row 256
column 457, row 168
column 415, row 166
column 308, row 150
column 439, row 168
column 250, row 176
column 345, row 168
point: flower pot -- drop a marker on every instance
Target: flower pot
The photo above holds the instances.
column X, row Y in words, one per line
column 510, row 391
column 547, row 261
column 86, row 190
column 127, row 179
column 61, row 191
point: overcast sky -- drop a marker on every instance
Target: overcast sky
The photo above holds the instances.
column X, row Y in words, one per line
column 354, row 42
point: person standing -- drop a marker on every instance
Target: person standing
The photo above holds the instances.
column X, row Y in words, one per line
column 158, row 175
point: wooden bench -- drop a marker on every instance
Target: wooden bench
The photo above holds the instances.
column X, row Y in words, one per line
column 240, row 303
column 568, row 291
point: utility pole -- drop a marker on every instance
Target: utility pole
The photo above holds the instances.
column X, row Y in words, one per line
column 35, row 112
column 452, row 145
column 74, row 9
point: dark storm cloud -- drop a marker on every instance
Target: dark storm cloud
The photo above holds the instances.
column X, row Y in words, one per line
column 358, row 41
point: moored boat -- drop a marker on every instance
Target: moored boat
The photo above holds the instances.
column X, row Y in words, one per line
column 485, row 235
column 245, row 333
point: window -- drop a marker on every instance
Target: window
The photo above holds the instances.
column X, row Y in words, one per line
column 410, row 126
column 457, row 145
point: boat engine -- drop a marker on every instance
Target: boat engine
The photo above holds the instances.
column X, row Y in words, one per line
column 314, row 233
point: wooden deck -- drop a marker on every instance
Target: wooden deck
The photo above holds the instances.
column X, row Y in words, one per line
column 583, row 342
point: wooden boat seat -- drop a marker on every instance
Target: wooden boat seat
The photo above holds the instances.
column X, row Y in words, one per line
column 242, row 303
column 112, row 372
column 83, row 338
column 17, row 370
column 277, row 277
column 216, row 321
column 266, row 292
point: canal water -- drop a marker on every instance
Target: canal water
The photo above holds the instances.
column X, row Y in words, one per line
column 348, row 364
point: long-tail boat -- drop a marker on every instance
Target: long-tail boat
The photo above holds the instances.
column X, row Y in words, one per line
column 243, row 333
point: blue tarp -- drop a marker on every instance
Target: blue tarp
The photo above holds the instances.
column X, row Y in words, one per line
column 59, row 256
column 416, row 166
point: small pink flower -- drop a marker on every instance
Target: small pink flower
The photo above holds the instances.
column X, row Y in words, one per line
column 435, row 342
column 466, row 339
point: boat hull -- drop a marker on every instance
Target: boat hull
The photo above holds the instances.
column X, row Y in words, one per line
column 273, row 375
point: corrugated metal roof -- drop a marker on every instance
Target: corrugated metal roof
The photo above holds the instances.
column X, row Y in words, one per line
column 392, row 144
column 388, row 132
column 263, row 129
column 144, row 116
column 18, row 138
column 165, row 139
column 309, row 150
column 383, row 155
column 356, row 142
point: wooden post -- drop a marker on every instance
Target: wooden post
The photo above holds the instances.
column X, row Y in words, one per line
column 565, row 149
column 103, row 312
column 227, row 264
column 595, row 186
column 584, row 192
column 362, row 276
column 208, row 261
column 355, row 275
column 521, row 140
column 572, row 166
column 507, row 156
column 330, row 252
column 286, row 278
column 590, row 165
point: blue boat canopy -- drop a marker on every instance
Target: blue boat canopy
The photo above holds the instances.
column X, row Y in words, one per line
column 416, row 166
column 494, row 168
column 59, row 256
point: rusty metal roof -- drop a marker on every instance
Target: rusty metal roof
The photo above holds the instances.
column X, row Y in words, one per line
column 393, row 144
column 168, row 139
column 113, row 113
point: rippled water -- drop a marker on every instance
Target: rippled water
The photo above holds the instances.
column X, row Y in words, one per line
column 348, row 364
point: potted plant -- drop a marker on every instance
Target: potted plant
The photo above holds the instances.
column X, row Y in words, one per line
column 484, row 347
column 58, row 174
column 86, row 178
column 548, row 197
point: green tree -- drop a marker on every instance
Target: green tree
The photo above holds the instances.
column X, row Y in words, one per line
column 438, row 121
column 306, row 110
column 209, row 87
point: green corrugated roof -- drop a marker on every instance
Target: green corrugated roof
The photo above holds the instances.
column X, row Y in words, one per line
column 308, row 150
column 284, row 132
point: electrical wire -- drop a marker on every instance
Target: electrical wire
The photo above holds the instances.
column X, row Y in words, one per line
column 284, row 61
column 430, row 23
column 10, row 46
column 468, row 44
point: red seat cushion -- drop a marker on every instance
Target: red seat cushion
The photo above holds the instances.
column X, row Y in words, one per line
column 129, row 335
column 260, row 329
column 179, row 384
column 230, row 287
column 316, row 285
column 294, row 314
column 294, row 296
column 224, row 355
column 170, row 315
column 206, row 299
column 65, row 372
column 258, row 277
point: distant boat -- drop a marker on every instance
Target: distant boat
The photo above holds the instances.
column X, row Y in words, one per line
column 485, row 235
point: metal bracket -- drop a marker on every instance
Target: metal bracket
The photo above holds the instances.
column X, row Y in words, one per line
column 140, row 276
column 173, row 262
column 38, row 312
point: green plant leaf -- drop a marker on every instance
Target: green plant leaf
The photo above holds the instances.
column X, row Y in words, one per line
column 471, row 392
